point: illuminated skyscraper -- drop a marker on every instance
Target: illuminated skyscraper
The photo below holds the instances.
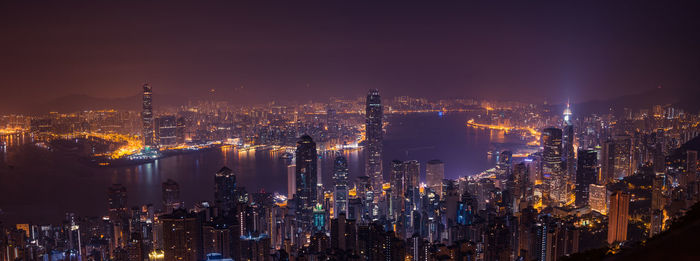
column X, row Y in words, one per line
column 622, row 161
column 568, row 151
column 618, row 217
column 166, row 130
column 291, row 181
column 306, row 176
column 412, row 174
column 597, row 198
column 147, row 116
column 398, row 177
column 171, row 196
column 373, row 140
column 340, row 177
column 434, row 174
column 586, row 174
column 552, row 165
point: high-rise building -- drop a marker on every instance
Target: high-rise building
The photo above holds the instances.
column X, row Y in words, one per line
column 412, row 174
column 434, row 174
column 691, row 167
column 147, row 116
column 568, row 152
column 182, row 236
column 291, row 181
column 373, row 140
column 340, row 178
column 622, row 161
column 568, row 144
column 586, row 174
column 166, row 131
column 597, row 198
column 658, row 202
column 607, row 162
column 552, row 165
column 117, row 197
column 255, row 247
column 225, row 192
column 306, row 176
column 658, row 153
column 220, row 236
column 398, row 177
column 618, row 217
column 171, row 196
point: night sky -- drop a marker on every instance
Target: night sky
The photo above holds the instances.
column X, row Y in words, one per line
column 524, row 50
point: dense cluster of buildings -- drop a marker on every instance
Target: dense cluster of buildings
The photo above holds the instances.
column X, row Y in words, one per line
column 596, row 181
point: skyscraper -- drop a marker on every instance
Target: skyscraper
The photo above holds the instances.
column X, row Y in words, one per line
column 552, row 165
column 618, row 217
column 568, row 152
column 147, row 116
column 586, row 174
column 291, row 181
column 398, row 177
column 225, row 192
column 622, row 161
column 597, row 198
column 412, row 174
column 306, row 176
column 434, row 174
column 340, row 178
column 373, row 140
column 166, row 130
column 171, row 196
column 182, row 236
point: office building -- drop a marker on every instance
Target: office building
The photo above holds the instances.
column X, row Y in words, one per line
column 434, row 174
column 147, row 116
column 374, row 139
column 618, row 217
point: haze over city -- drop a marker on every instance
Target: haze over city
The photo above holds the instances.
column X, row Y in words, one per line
column 258, row 51
column 349, row 130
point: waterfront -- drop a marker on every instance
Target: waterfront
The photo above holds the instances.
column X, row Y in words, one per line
column 29, row 174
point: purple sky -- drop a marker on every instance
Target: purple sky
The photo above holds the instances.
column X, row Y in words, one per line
column 527, row 50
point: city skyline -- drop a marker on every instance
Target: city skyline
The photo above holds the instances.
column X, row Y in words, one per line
column 360, row 131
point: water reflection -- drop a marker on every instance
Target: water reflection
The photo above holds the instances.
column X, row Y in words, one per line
column 41, row 185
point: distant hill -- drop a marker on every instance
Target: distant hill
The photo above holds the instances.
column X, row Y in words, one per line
column 80, row 102
column 682, row 98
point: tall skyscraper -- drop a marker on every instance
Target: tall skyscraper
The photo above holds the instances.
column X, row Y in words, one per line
column 568, row 152
column 340, row 178
column 434, row 174
column 552, row 165
column 412, row 174
column 618, row 217
column 147, row 116
column 373, row 140
column 306, row 176
column 225, row 192
column 291, row 181
column 691, row 167
column 586, row 174
column 622, row 159
column 171, row 196
column 398, row 177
